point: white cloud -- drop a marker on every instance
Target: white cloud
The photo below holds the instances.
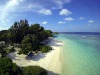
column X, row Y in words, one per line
column 7, row 8
column 91, row 21
column 45, row 11
column 65, row 12
column 60, row 3
column 45, row 22
column 81, row 18
column 37, row 8
column 32, row 7
column 12, row 3
column 61, row 22
column 11, row 7
column 69, row 19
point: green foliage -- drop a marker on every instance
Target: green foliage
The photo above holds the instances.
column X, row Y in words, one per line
column 19, row 30
column 34, row 70
column 49, row 33
column 6, row 50
column 26, row 48
column 11, row 50
column 3, row 51
column 29, row 43
column 45, row 49
column 29, row 36
column 49, row 47
column 8, row 68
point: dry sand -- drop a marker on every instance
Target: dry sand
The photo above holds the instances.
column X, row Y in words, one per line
column 50, row 61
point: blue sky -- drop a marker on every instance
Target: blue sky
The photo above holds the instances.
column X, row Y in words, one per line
column 56, row 15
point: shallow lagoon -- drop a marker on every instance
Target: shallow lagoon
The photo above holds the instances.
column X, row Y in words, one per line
column 81, row 54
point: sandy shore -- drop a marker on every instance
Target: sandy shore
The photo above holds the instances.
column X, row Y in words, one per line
column 50, row 61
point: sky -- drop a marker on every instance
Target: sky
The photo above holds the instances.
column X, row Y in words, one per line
column 55, row 15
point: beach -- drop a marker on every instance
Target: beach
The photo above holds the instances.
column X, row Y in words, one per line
column 49, row 61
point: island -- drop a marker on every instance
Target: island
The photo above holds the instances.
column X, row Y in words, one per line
column 29, row 50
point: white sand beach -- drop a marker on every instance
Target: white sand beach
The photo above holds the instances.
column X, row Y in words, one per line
column 50, row 61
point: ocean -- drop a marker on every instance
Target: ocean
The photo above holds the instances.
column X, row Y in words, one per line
column 80, row 53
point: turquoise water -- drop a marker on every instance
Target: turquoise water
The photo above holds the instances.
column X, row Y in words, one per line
column 81, row 54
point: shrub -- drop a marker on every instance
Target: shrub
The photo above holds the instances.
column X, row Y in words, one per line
column 45, row 49
column 3, row 52
column 49, row 48
column 7, row 67
column 34, row 70
column 11, row 50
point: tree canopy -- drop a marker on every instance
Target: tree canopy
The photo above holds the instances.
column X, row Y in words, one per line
column 28, row 36
column 29, row 43
column 34, row 70
column 7, row 67
column 19, row 30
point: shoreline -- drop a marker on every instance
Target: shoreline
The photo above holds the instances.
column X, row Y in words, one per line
column 62, row 58
column 57, row 60
column 50, row 61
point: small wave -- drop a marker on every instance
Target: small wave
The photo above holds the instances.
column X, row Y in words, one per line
column 83, row 36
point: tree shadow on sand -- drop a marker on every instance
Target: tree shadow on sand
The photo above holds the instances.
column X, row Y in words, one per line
column 36, row 57
column 12, row 55
column 52, row 73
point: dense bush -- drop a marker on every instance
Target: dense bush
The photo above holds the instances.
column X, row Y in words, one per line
column 49, row 47
column 3, row 52
column 9, row 50
column 34, row 70
column 45, row 49
column 6, row 50
column 7, row 67
column 29, row 43
column 18, row 30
